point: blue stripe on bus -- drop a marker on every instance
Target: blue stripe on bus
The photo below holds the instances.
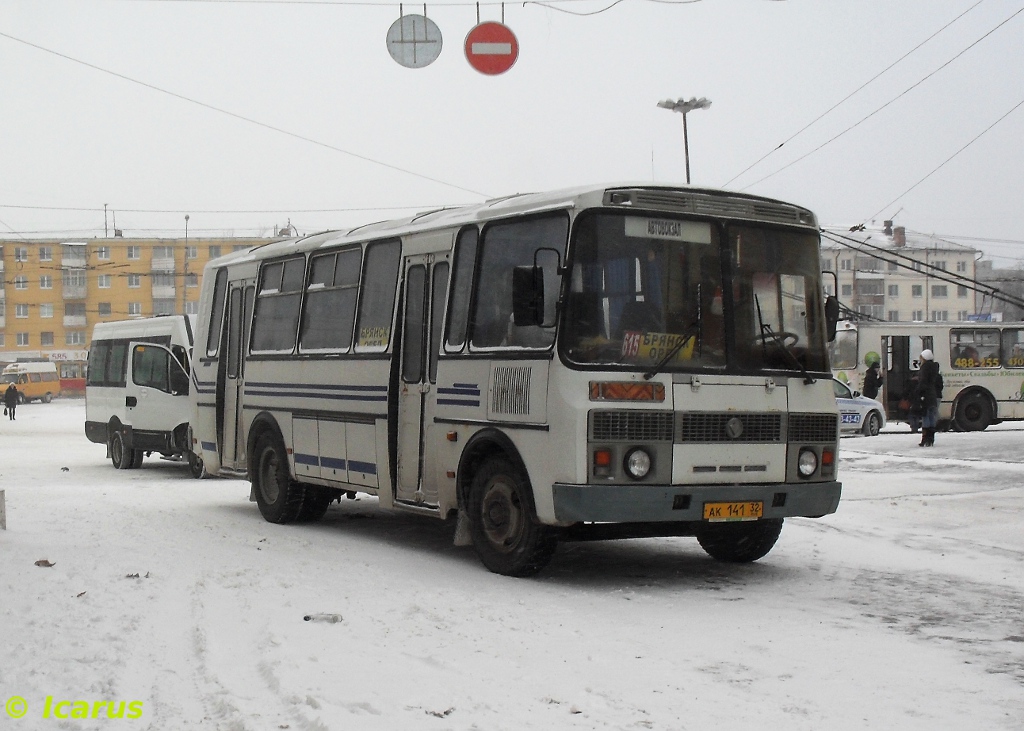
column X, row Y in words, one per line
column 467, row 385
column 367, row 467
column 456, row 402
column 460, row 391
column 310, row 459
column 332, row 463
column 208, row 446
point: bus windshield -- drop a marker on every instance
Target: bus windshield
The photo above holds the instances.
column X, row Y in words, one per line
column 647, row 292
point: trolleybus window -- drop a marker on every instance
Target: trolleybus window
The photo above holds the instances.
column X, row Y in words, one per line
column 1013, row 348
column 645, row 289
column 462, row 285
column 505, row 246
column 330, row 309
column 277, row 306
column 377, row 307
column 974, row 348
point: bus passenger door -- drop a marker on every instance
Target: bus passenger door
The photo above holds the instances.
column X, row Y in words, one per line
column 426, row 285
column 240, row 302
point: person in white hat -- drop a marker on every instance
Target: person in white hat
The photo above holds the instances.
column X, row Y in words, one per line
column 930, row 393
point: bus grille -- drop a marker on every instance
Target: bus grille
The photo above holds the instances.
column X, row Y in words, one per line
column 631, row 426
column 511, row 394
column 813, row 427
column 712, row 427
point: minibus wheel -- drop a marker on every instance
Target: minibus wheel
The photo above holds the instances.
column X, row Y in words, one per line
column 505, row 531
column 195, row 466
column 279, row 498
column 121, row 456
column 739, row 542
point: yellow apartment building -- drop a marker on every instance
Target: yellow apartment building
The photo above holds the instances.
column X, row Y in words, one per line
column 54, row 291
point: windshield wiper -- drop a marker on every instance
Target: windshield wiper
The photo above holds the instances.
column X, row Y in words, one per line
column 780, row 339
column 685, row 337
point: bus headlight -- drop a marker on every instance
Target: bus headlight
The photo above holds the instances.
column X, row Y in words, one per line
column 807, row 462
column 638, row 463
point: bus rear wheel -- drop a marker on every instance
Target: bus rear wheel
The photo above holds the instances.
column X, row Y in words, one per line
column 121, row 456
column 740, row 542
column 973, row 413
column 278, row 496
column 505, row 531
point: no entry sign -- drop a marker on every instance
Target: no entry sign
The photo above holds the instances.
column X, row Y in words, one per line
column 491, row 48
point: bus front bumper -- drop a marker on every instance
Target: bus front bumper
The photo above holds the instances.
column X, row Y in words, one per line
column 685, row 503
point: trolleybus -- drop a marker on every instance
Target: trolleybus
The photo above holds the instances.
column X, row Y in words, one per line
column 595, row 363
column 982, row 366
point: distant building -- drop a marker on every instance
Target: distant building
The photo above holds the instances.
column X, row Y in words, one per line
column 897, row 276
column 1007, row 281
column 55, row 290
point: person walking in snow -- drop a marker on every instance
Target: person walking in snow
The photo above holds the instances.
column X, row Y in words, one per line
column 929, row 395
column 10, row 400
column 873, row 380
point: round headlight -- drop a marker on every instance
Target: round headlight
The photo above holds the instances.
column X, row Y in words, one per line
column 638, row 464
column 807, row 463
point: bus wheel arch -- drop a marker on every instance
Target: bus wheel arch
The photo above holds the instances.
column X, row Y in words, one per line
column 280, row 497
column 496, row 493
column 974, row 410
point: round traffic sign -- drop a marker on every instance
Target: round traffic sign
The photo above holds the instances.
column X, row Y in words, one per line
column 491, row 48
column 414, row 41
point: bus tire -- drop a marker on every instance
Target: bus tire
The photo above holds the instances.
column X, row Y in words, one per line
column 872, row 424
column 278, row 496
column 195, row 466
column 121, row 456
column 315, row 503
column 740, row 542
column 973, row 412
column 503, row 526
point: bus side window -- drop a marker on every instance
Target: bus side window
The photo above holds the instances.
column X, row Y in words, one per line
column 462, row 284
column 377, row 296
column 277, row 306
column 217, row 314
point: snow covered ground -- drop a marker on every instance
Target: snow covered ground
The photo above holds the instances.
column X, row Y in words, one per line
column 905, row 610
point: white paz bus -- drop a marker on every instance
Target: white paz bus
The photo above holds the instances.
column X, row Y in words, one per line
column 587, row 364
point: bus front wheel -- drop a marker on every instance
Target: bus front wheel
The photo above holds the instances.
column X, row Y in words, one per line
column 973, row 413
column 506, row 534
column 740, row 542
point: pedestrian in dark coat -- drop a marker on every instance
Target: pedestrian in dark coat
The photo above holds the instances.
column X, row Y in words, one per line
column 11, row 400
column 928, row 397
column 873, row 380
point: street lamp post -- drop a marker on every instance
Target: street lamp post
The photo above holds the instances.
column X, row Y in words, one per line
column 684, row 106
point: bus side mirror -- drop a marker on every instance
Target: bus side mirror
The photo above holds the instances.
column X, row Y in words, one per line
column 831, row 316
column 527, row 295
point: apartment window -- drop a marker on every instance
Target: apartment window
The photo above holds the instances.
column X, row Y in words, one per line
column 20, row 253
column 23, row 340
column 103, row 252
column 962, row 315
column 893, row 265
column 75, row 337
column 961, row 290
column 163, row 307
column 917, row 290
column 917, row 316
column 134, row 252
column 105, row 309
column 869, row 287
column 21, row 282
column 46, row 310
column 73, row 277
column 191, row 280
column 134, row 308
column 46, row 281
column 894, row 316
column 191, row 252
column 103, row 281
column 940, row 290
column 46, row 339
column 826, row 265
column 828, row 290
column 940, row 316
column 3, row 344
column 961, row 266
column 847, row 290
column 192, row 308
column 214, row 252
column 846, row 264
column 45, row 253
column 134, row 281
column 894, row 290
column 939, row 265
column 163, row 252
column 74, row 309
column 163, row 280
column 917, row 266
column 21, row 311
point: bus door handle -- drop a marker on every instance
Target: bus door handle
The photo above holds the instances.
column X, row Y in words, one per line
column 131, row 401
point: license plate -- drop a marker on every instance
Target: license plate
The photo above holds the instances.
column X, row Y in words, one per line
column 719, row 512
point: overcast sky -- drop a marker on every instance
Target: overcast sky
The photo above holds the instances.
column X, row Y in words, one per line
column 249, row 114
